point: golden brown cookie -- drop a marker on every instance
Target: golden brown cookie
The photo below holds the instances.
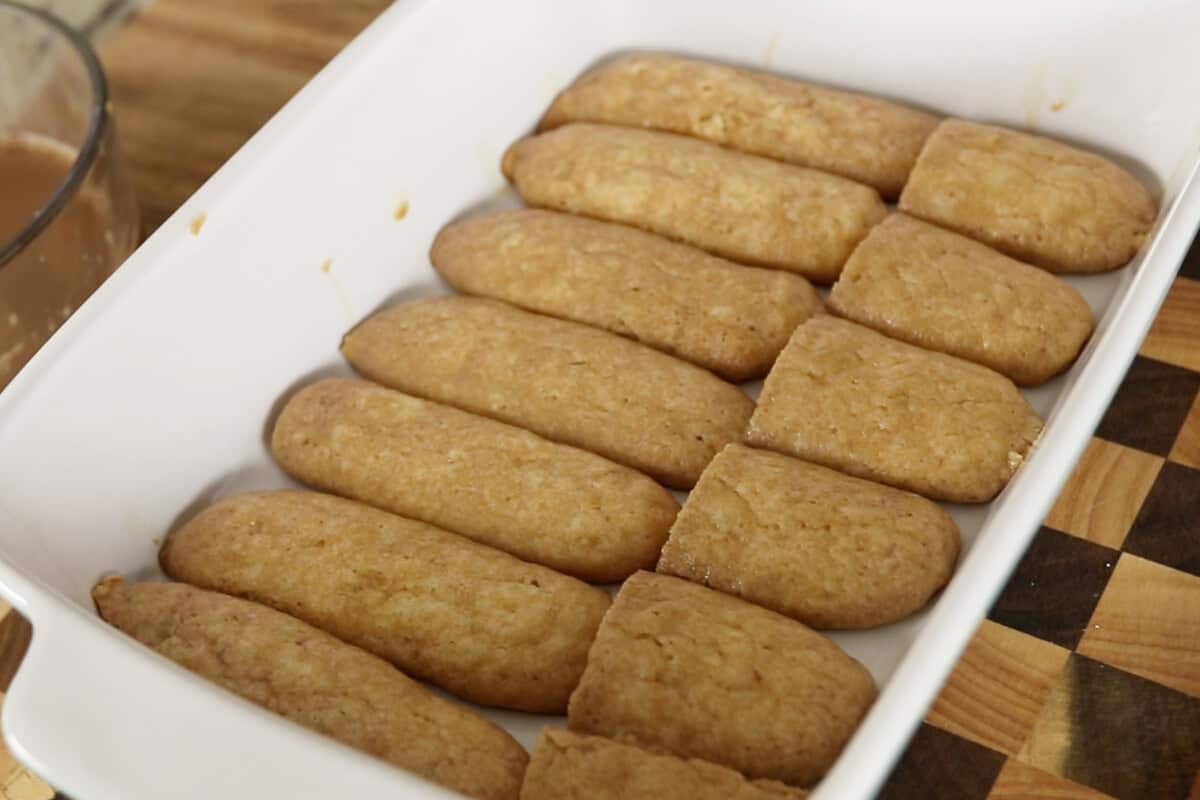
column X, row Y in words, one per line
column 854, row 135
column 301, row 673
column 568, row 382
column 737, row 206
column 567, row 766
column 1036, row 199
column 682, row 669
column 488, row 627
column 726, row 317
column 821, row 547
column 934, row 288
column 849, row 398
column 499, row 485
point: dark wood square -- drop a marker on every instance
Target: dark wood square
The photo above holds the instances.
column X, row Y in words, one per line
column 1191, row 262
column 1126, row 736
column 1167, row 529
column 1150, row 406
column 942, row 765
column 1055, row 588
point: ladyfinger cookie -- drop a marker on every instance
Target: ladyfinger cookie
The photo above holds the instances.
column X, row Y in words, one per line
column 726, row 317
column 488, row 627
column 870, row 140
column 568, row 766
column 824, row 548
column 738, row 206
column 682, row 669
column 568, row 382
column 930, row 287
column 313, row 679
column 1036, row 199
column 849, row 398
column 499, row 485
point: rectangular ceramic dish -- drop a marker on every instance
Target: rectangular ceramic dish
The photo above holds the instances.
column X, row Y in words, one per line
column 154, row 397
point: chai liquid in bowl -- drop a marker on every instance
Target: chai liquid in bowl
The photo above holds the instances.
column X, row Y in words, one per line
column 51, row 276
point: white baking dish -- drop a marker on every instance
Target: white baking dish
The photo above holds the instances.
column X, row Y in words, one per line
column 154, row 397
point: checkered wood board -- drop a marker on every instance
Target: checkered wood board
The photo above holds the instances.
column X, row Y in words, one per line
column 1084, row 681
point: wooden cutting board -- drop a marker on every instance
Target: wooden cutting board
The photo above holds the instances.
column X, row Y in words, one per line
column 1084, row 682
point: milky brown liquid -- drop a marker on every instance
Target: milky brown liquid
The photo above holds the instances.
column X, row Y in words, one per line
column 47, row 280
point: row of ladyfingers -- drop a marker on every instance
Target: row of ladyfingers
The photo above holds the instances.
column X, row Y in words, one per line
column 675, row 668
column 724, row 158
column 708, row 155
column 1030, row 197
column 828, row 549
column 691, row 674
column 582, row 514
column 839, row 394
column 499, row 631
column 485, row 625
column 907, row 278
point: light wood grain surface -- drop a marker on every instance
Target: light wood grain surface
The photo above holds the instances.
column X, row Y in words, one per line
column 1146, row 624
column 191, row 81
column 998, row 688
column 1177, row 330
